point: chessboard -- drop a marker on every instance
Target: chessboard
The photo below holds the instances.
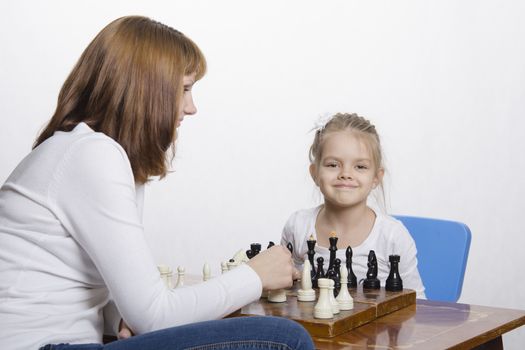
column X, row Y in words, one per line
column 368, row 305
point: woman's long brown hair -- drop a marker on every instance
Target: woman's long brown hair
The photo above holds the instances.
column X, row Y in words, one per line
column 128, row 84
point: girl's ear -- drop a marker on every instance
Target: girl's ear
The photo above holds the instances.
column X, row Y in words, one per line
column 313, row 173
column 379, row 177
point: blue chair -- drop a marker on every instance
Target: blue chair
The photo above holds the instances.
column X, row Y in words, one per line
column 442, row 253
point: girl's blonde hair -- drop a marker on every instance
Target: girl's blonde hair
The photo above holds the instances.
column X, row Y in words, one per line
column 128, row 84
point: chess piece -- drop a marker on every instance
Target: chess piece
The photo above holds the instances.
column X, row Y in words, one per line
column 231, row 264
column 345, row 300
column 319, row 272
column 333, row 249
column 333, row 302
column 310, row 253
column 240, row 257
column 277, row 296
column 337, row 279
column 330, row 274
column 206, row 273
column 166, row 274
column 224, row 267
column 323, row 307
column 270, row 244
column 371, row 281
column 394, row 283
column 255, row 248
column 180, row 277
column 290, row 247
column 352, row 279
column 306, row 293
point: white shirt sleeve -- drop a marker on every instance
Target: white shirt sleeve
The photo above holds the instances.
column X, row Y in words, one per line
column 93, row 195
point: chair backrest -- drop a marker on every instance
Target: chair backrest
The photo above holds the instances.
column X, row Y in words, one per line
column 442, row 253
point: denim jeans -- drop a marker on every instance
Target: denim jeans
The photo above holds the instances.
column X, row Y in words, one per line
column 247, row 333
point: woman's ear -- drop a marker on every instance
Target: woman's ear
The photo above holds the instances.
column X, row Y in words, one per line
column 379, row 177
column 313, row 173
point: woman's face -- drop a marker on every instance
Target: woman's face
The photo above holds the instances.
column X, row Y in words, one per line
column 187, row 106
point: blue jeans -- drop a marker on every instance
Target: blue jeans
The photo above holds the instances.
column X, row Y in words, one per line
column 247, row 333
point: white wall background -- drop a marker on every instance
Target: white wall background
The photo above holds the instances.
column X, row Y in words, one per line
column 444, row 82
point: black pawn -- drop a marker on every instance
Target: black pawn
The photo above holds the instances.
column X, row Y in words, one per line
column 319, row 273
column 371, row 281
column 352, row 279
column 250, row 253
column 270, row 244
column 337, row 270
column 394, row 282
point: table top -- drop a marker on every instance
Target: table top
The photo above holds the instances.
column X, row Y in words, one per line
column 429, row 325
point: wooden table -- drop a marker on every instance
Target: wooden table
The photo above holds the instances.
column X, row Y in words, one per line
column 431, row 325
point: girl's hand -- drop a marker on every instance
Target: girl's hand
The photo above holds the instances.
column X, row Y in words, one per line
column 124, row 331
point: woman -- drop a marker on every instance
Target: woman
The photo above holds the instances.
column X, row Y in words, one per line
column 71, row 236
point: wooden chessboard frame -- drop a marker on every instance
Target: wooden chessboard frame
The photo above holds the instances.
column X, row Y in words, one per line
column 368, row 305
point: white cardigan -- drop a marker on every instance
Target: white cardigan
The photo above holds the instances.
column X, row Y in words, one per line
column 71, row 236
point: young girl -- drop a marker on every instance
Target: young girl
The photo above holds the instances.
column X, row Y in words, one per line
column 71, row 234
column 346, row 165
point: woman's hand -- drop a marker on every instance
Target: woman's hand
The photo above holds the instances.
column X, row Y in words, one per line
column 274, row 267
column 124, row 331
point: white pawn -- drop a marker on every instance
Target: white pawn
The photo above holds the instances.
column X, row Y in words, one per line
column 224, row 267
column 306, row 293
column 206, row 273
column 180, row 277
column 166, row 275
column 335, row 304
column 323, row 308
column 277, row 296
column 344, row 299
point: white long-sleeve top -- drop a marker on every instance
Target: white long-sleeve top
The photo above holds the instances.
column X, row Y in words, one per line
column 71, row 236
column 388, row 236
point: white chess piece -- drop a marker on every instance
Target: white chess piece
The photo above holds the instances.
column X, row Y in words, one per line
column 206, row 273
column 166, row 275
column 335, row 304
column 231, row 265
column 224, row 267
column 277, row 296
column 180, row 278
column 240, row 257
column 344, row 299
column 306, row 293
column 323, row 308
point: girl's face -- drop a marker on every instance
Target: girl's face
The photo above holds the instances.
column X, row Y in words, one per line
column 346, row 173
column 187, row 106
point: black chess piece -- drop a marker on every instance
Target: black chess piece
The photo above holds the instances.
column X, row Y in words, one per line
column 352, row 279
column 319, row 272
column 311, row 252
column 255, row 248
column 337, row 270
column 333, row 250
column 371, row 281
column 250, row 253
column 290, row 247
column 270, row 244
column 394, row 283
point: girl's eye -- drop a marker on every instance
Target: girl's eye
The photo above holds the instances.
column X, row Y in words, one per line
column 331, row 165
column 362, row 167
